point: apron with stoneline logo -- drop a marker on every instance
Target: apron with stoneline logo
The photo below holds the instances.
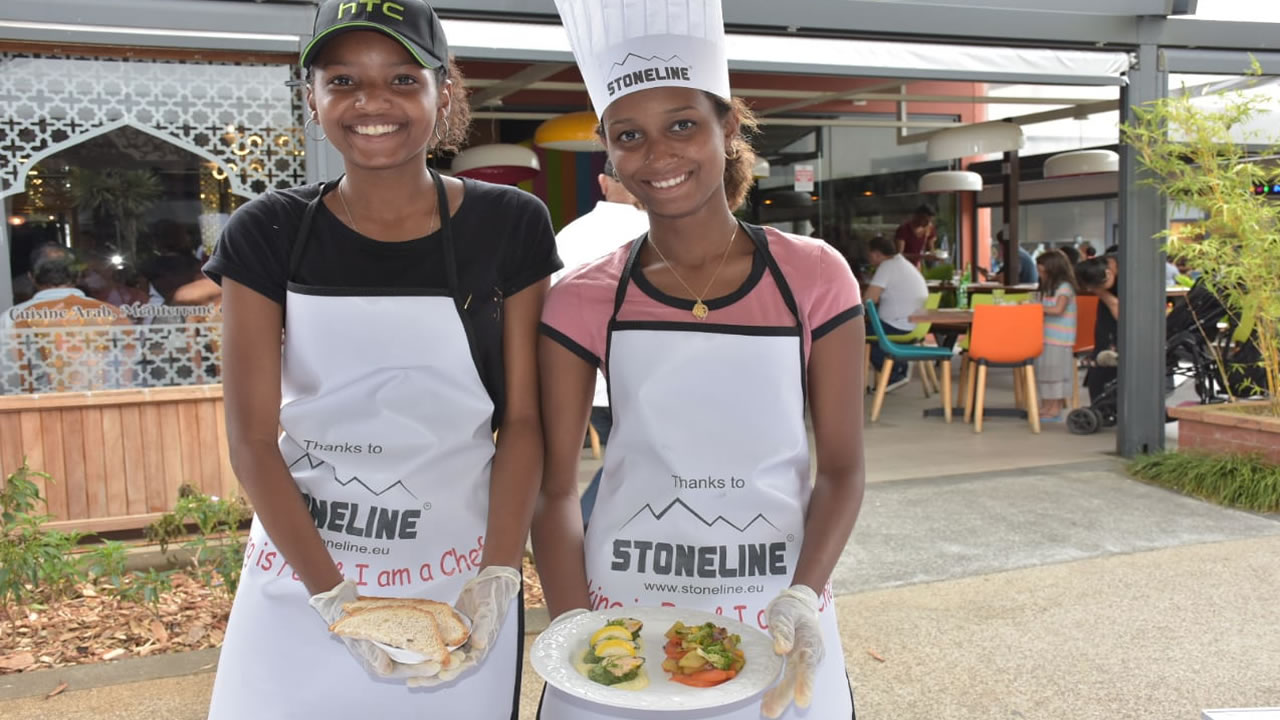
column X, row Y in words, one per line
column 387, row 433
column 705, row 486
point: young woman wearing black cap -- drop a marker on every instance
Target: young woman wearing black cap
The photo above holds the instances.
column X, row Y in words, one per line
column 409, row 306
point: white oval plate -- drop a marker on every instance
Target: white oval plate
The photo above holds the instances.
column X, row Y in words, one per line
column 409, row 657
column 553, row 652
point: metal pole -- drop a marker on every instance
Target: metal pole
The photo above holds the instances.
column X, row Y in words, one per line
column 1141, row 279
column 1012, row 180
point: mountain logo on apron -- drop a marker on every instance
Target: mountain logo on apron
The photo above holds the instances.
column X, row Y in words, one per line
column 662, row 553
column 659, row 514
column 314, row 462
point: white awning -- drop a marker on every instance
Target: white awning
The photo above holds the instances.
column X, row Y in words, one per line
column 531, row 42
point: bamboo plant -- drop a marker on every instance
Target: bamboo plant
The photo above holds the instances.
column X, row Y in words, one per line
column 1199, row 154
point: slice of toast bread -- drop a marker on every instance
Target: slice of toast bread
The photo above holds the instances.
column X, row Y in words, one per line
column 400, row 626
column 452, row 628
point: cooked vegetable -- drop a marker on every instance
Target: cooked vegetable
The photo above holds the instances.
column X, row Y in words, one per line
column 702, row 655
column 615, row 670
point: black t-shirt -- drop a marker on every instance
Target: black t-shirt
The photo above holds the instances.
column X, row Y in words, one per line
column 502, row 237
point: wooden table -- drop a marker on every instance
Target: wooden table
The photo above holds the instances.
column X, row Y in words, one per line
column 947, row 317
column 983, row 287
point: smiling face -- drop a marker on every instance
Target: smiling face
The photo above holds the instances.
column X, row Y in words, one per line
column 377, row 106
column 667, row 146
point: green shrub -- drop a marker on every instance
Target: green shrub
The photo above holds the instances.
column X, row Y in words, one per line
column 1242, row 481
column 34, row 563
column 216, row 551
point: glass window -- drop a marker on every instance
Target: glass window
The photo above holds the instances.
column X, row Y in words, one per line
column 118, row 176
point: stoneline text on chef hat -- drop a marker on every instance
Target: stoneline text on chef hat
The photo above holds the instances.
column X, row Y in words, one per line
column 624, row 46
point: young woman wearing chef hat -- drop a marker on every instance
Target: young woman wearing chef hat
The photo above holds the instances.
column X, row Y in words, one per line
column 714, row 335
column 409, row 305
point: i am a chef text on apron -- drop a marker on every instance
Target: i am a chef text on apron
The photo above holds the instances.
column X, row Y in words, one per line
column 706, row 481
column 388, row 434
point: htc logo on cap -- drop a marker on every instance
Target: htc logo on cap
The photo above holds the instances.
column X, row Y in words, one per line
column 390, row 9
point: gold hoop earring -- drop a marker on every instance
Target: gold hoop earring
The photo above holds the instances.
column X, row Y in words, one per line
column 736, row 154
column 306, row 130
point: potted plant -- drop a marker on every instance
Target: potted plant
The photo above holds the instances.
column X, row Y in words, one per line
column 1200, row 153
column 124, row 196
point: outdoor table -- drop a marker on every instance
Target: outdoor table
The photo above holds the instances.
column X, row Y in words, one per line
column 983, row 287
column 955, row 321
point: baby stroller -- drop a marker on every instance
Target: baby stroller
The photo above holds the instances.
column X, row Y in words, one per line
column 1191, row 329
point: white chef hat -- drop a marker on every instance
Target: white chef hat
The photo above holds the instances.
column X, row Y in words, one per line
column 623, row 46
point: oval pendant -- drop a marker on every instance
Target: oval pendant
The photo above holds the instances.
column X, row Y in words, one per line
column 700, row 310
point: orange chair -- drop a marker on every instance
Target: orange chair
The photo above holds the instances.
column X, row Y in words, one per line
column 1009, row 336
column 1086, row 319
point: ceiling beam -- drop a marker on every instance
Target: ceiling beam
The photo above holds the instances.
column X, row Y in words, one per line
column 828, row 97
column 555, row 86
column 1033, row 118
column 493, row 94
column 794, row 122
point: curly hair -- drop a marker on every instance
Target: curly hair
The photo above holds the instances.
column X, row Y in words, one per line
column 458, row 121
column 740, row 157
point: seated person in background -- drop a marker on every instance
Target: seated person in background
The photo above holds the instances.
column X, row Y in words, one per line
column 915, row 238
column 898, row 290
column 63, row 363
column 1027, row 274
column 1073, row 256
column 1100, row 276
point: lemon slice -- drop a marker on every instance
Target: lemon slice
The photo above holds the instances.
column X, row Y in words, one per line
column 614, row 647
column 610, row 631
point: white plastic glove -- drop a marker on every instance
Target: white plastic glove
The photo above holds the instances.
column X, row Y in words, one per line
column 329, row 606
column 485, row 599
column 793, row 623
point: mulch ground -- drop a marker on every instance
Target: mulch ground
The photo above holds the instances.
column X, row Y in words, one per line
column 95, row 627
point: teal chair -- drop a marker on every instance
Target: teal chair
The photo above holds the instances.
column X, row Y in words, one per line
column 914, row 337
column 895, row 352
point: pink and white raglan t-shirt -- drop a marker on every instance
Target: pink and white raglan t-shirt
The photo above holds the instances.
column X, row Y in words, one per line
column 578, row 308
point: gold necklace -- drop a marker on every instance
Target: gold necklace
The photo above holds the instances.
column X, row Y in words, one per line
column 700, row 309
column 347, row 209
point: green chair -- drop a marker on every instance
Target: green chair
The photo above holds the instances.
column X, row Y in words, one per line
column 895, row 352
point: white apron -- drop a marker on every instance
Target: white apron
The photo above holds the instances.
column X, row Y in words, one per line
column 387, row 432
column 705, row 485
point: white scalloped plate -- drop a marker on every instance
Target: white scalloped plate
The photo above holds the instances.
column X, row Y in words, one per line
column 553, row 651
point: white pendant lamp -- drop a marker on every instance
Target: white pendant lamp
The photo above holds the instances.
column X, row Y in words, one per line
column 571, row 132
column 976, row 139
column 761, row 169
column 499, row 163
column 1081, row 162
column 949, row 181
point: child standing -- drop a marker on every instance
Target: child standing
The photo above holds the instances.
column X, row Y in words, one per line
column 1053, row 367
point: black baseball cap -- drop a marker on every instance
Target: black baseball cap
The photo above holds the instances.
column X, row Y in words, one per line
column 410, row 22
